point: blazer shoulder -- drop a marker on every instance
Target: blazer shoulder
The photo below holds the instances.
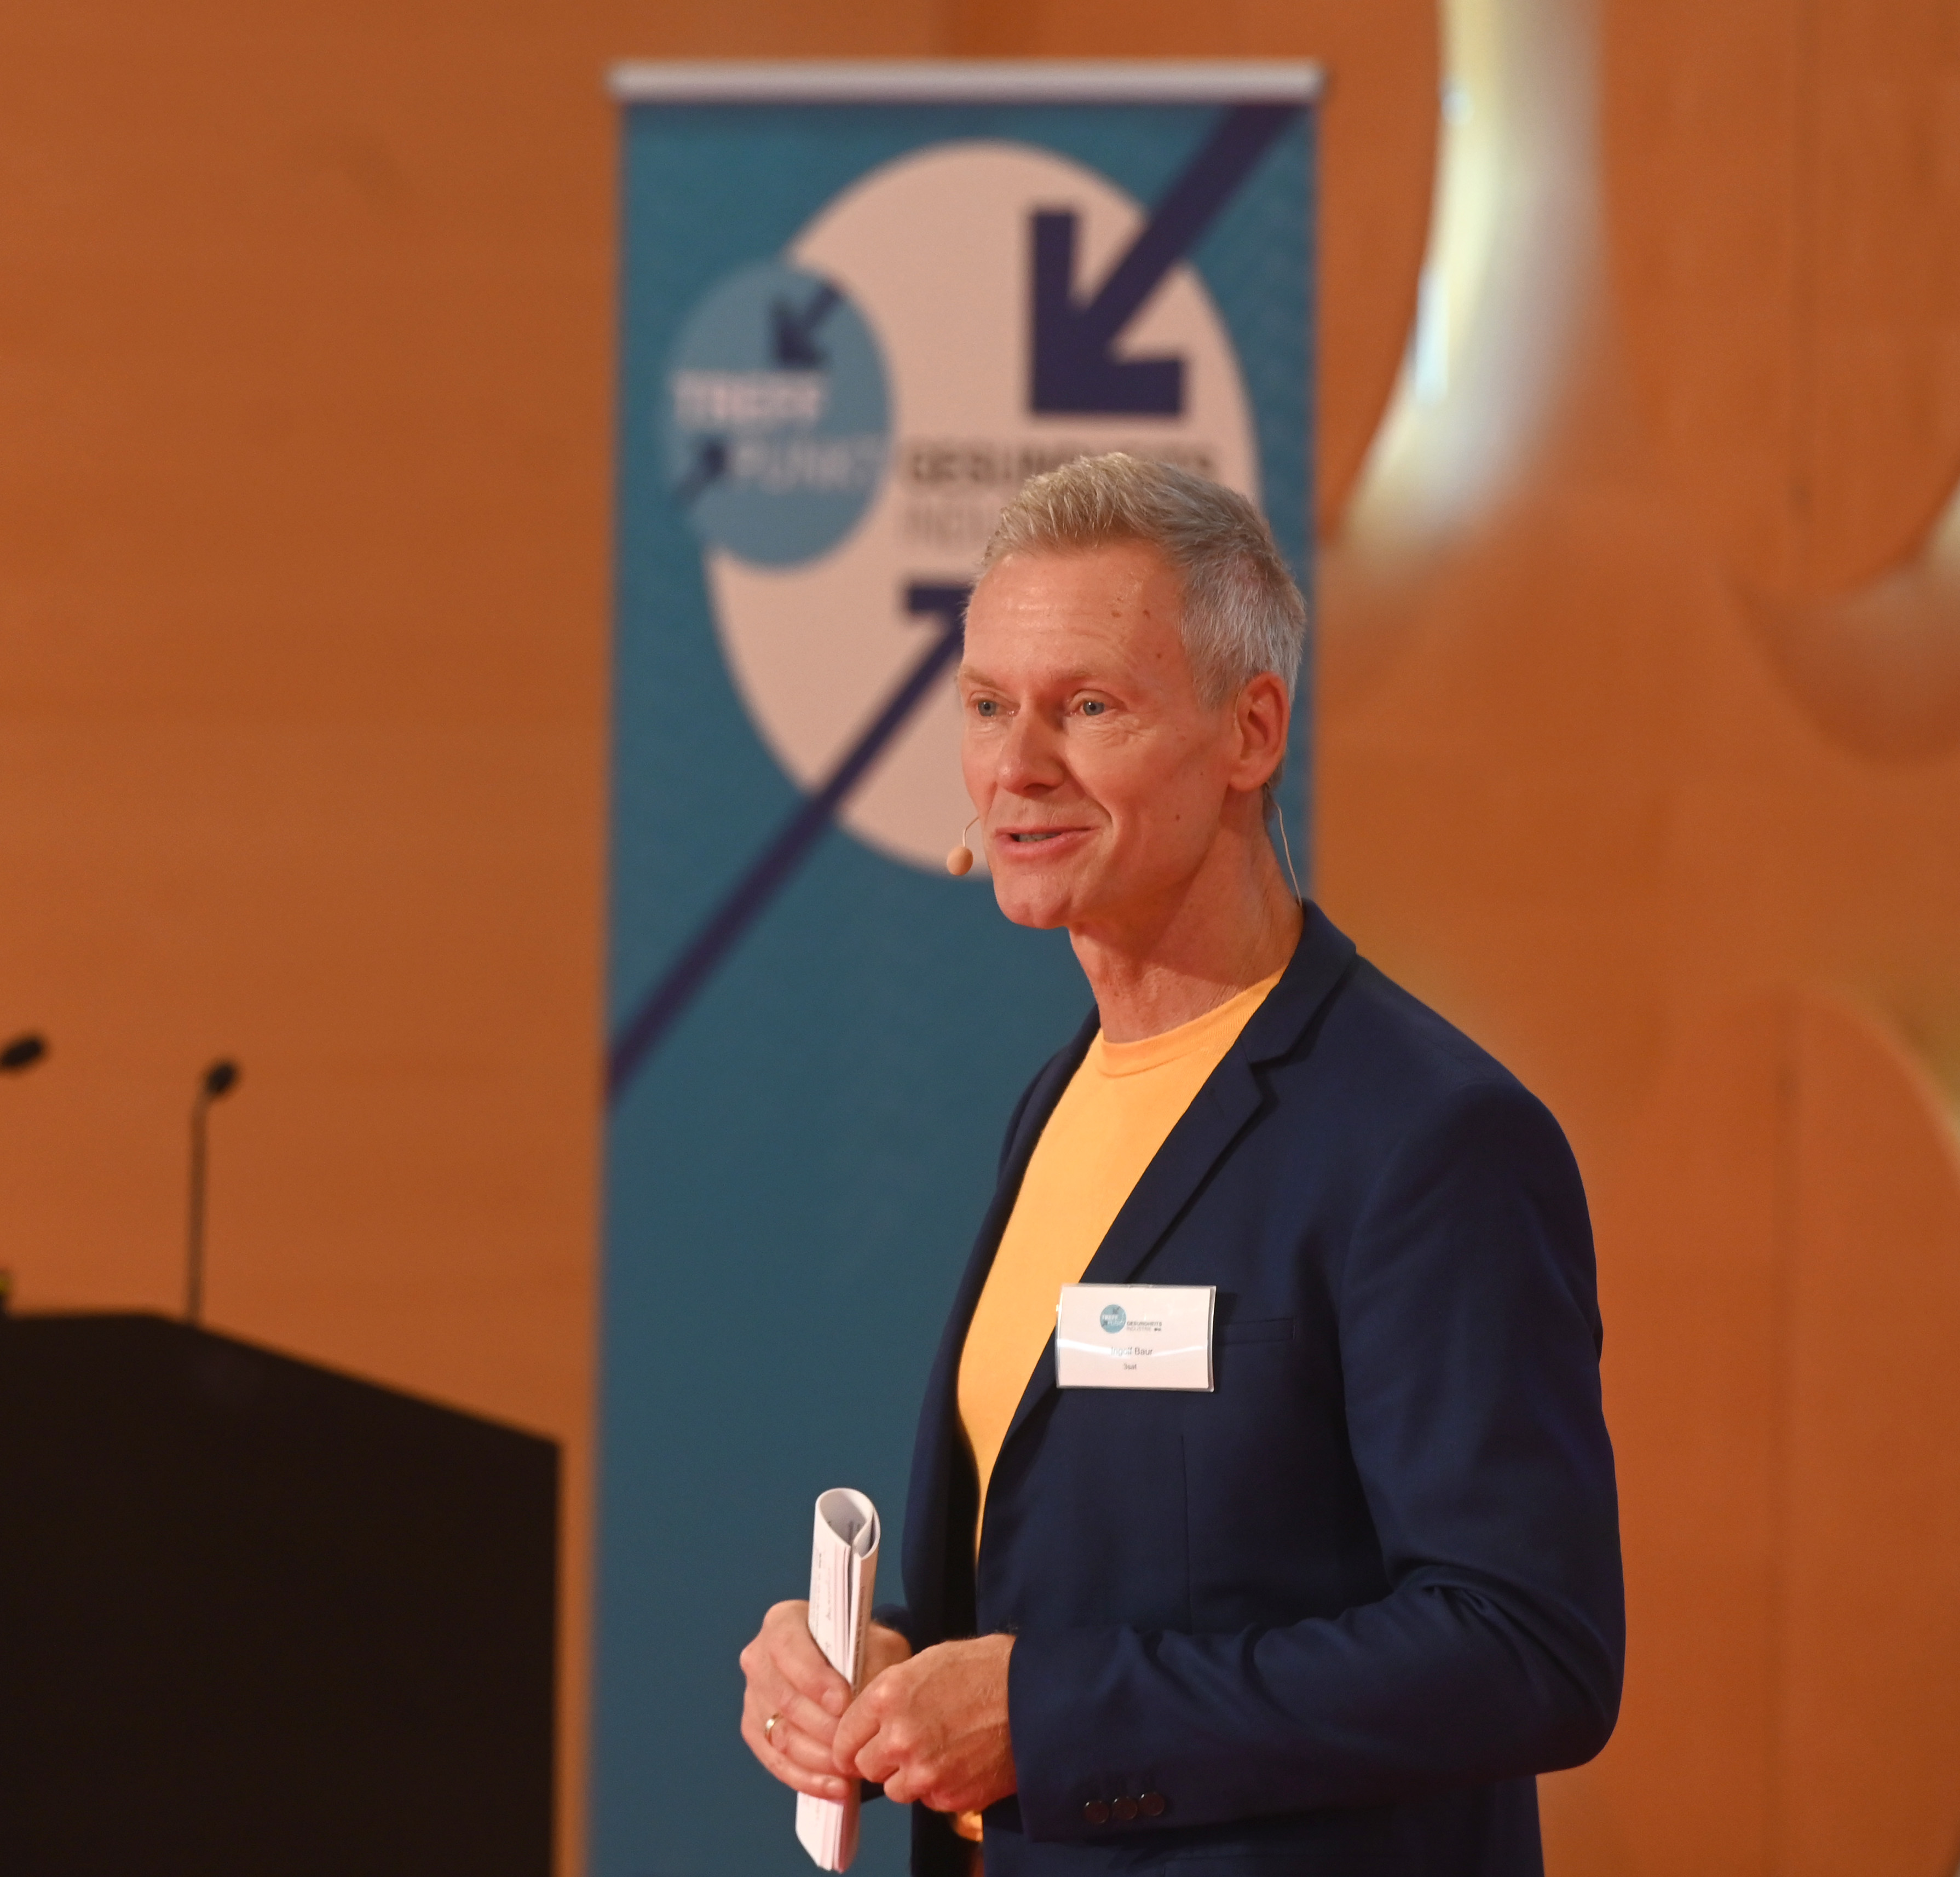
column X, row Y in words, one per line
column 1441, row 1144
column 1403, row 1065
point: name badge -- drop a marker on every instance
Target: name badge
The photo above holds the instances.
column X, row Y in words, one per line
column 1134, row 1336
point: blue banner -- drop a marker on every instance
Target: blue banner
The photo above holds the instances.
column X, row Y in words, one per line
column 861, row 306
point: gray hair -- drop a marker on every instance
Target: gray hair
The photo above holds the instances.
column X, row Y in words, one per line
column 1243, row 614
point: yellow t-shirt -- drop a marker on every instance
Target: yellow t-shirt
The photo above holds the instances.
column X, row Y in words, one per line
column 1118, row 1109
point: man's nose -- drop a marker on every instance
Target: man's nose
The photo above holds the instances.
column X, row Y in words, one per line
column 1030, row 756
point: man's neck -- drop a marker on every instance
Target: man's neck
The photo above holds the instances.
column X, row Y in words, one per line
column 1171, row 963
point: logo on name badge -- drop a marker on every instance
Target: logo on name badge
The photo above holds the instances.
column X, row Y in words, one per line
column 1114, row 1317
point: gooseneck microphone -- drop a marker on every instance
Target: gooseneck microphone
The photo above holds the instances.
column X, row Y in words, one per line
column 23, row 1053
column 213, row 1085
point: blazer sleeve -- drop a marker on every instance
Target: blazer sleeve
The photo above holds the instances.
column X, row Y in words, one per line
column 1469, row 1337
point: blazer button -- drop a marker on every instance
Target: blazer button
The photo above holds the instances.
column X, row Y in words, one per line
column 1125, row 1809
column 1151, row 1805
column 1096, row 1812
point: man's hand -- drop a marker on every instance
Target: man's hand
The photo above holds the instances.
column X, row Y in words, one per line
column 789, row 1679
column 934, row 1728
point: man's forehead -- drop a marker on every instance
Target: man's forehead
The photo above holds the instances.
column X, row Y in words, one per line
column 1068, row 644
column 1061, row 592
column 1107, row 565
column 1089, row 630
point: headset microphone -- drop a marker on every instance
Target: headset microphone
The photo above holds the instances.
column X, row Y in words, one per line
column 960, row 860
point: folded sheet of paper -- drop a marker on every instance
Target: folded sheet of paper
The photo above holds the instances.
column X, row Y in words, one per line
column 843, row 1570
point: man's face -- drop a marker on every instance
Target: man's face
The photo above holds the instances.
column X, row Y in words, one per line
column 1100, row 776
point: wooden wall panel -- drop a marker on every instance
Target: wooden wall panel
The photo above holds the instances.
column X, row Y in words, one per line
column 1869, row 1732
column 1785, row 163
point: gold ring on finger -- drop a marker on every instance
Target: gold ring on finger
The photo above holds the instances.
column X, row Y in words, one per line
column 769, row 1727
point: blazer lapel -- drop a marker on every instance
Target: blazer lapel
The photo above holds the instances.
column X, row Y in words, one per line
column 1216, row 1118
column 934, row 1482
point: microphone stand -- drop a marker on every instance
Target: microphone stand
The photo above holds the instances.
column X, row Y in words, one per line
column 213, row 1085
column 16, row 1058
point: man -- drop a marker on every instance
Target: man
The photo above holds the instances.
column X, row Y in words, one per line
column 1334, row 1614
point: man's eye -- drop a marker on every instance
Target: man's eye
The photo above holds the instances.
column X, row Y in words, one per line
column 1093, row 707
column 987, row 707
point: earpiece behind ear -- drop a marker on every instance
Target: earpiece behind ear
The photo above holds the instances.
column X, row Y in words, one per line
column 1286, row 846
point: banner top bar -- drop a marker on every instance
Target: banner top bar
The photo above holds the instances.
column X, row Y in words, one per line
column 965, row 82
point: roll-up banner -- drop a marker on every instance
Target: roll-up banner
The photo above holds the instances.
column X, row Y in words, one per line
column 861, row 305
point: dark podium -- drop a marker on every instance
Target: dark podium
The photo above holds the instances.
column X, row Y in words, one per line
column 258, row 1619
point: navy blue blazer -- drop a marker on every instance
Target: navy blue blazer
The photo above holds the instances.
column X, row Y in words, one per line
column 1333, row 1616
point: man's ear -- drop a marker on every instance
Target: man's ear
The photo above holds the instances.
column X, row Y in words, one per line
column 1261, row 715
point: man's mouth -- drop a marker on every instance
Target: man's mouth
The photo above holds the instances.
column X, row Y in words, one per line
column 1030, row 837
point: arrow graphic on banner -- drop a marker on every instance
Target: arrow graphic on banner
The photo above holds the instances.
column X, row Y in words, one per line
column 745, row 900
column 1074, row 370
column 793, row 335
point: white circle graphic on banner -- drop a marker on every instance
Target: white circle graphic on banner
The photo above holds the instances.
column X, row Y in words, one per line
column 934, row 251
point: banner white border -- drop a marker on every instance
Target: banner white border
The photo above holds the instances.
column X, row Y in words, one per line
column 966, row 81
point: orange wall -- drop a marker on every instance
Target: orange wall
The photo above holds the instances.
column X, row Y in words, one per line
column 1643, row 768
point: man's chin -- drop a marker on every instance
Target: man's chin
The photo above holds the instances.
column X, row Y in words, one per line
column 1040, row 909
